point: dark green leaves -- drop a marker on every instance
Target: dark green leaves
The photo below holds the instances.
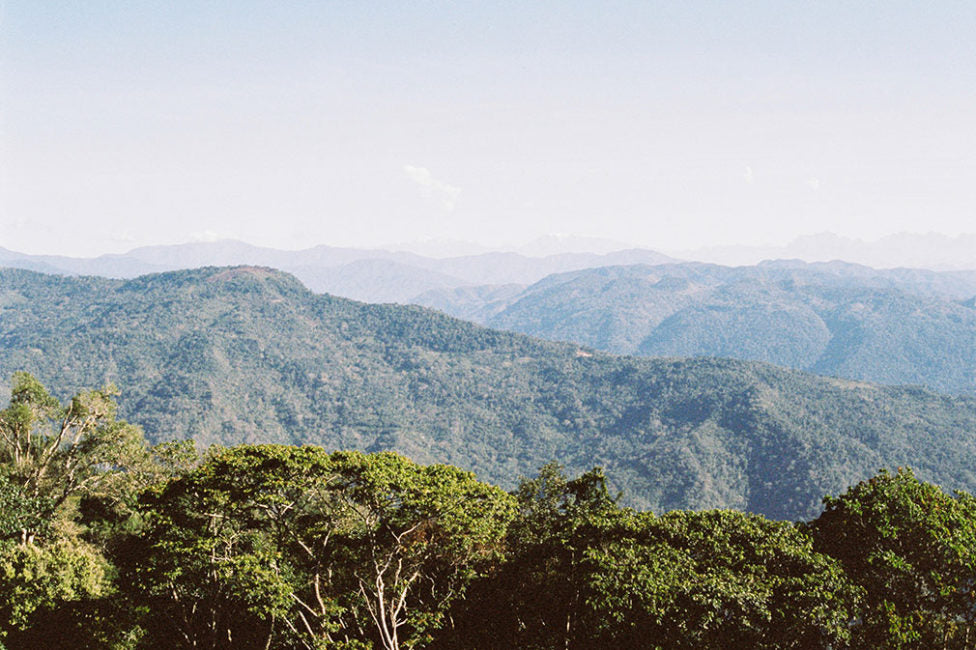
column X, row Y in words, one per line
column 298, row 547
column 912, row 547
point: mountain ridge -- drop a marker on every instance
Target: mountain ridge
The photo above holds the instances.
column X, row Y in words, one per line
column 371, row 275
column 244, row 354
column 930, row 250
column 890, row 326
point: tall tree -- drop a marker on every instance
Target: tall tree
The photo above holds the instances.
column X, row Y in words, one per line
column 421, row 534
column 913, row 549
column 52, row 452
column 537, row 598
column 296, row 547
column 52, row 456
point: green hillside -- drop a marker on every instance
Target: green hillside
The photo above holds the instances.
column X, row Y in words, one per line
column 896, row 326
column 230, row 355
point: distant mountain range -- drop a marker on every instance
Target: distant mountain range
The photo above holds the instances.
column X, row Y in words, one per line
column 247, row 354
column 554, row 244
column 896, row 326
column 900, row 326
column 360, row 274
column 912, row 250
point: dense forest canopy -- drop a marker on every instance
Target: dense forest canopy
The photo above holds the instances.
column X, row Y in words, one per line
column 128, row 546
column 248, row 355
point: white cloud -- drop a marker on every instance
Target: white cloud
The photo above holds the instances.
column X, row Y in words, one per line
column 748, row 175
column 431, row 188
column 204, row 236
column 813, row 183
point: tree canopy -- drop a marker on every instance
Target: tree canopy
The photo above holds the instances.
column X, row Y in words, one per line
column 279, row 546
column 298, row 547
column 912, row 548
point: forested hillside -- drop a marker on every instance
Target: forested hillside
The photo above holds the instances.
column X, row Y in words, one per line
column 899, row 326
column 106, row 542
column 230, row 355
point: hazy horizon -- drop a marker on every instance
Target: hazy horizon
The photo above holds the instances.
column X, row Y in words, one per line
column 660, row 125
column 931, row 250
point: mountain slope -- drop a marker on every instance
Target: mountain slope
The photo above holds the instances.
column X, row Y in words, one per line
column 248, row 354
column 900, row 326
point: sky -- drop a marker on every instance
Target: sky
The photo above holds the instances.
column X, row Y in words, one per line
column 670, row 125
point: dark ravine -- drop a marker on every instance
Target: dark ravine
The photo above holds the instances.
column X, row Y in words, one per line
column 247, row 354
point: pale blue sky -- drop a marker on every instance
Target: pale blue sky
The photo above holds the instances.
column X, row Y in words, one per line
column 664, row 124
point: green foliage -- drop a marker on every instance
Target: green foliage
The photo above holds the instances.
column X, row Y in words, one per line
column 301, row 548
column 714, row 579
column 274, row 546
column 560, row 520
column 23, row 514
column 912, row 548
column 311, row 549
column 50, row 453
column 581, row 572
column 207, row 566
column 37, row 581
column 55, row 584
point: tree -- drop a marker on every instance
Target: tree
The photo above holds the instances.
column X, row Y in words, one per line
column 211, row 566
column 52, row 452
column 912, row 547
column 42, row 589
column 537, row 597
column 51, row 457
column 301, row 548
column 422, row 533
column 714, row 579
column 23, row 515
column 581, row 572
